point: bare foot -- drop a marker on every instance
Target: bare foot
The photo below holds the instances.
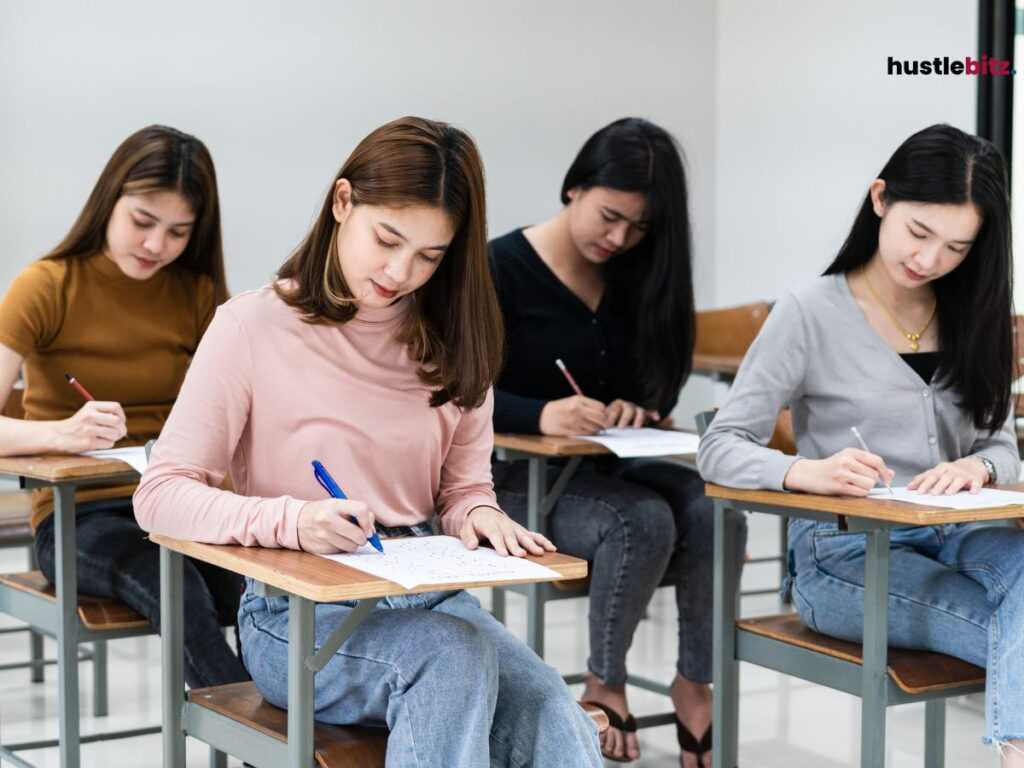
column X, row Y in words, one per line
column 613, row 741
column 692, row 702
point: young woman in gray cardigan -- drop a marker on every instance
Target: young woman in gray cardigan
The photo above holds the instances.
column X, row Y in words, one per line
column 907, row 337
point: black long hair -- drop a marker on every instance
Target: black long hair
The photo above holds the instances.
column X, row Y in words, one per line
column 944, row 165
column 634, row 155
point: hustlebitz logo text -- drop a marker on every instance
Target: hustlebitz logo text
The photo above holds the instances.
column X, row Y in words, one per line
column 946, row 65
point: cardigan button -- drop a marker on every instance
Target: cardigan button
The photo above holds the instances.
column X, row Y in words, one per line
column 931, row 440
column 926, row 392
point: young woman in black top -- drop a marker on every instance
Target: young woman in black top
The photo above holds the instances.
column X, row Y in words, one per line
column 606, row 286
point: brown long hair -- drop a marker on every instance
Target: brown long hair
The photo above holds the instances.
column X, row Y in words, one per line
column 156, row 158
column 454, row 329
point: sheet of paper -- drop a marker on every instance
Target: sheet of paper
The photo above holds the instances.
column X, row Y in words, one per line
column 439, row 560
column 135, row 456
column 986, row 497
column 628, row 443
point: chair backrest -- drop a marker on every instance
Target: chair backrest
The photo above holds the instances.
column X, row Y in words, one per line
column 782, row 437
column 729, row 331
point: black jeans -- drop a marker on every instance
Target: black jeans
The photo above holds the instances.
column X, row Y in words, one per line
column 116, row 560
column 629, row 518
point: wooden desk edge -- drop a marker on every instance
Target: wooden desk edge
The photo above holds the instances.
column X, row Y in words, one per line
column 889, row 511
column 547, row 445
column 54, row 468
column 352, row 584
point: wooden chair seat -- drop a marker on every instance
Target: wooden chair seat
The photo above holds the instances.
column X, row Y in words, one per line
column 914, row 672
column 97, row 613
column 335, row 746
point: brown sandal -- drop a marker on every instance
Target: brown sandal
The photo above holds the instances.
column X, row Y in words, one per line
column 614, row 721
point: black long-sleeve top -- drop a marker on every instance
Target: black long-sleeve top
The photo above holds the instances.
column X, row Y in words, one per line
column 545, row 321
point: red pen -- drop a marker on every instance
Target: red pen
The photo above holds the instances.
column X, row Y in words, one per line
column 81, row 390
column 569, row 378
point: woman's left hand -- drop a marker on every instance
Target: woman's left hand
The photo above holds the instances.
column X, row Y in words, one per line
column 506, row 535
column 948, row 477
column 622, row 413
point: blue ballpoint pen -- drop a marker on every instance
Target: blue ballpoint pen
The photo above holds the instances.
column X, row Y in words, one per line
column 327, row 482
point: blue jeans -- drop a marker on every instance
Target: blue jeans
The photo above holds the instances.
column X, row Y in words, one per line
column 955, row 589
column 629, row 518
column 115, row 559
column 454, row 687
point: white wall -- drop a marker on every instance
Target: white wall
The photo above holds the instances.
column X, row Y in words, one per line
column 784, row 109
column 806, row 115
column 282, row 92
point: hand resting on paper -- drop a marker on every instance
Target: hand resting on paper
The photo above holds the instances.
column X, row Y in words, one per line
column 579, row 415
column 504, row 534
column 949, row 477
column 325, row 528
column 622, row 414
column 849, row 472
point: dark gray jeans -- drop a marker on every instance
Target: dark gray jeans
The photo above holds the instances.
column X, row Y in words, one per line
column 115, row 559
column 630, row 518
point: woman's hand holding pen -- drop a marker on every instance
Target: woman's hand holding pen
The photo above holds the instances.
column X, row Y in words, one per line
column 622, row 413
column 576, row 415
column 324, row 527
column 95, row 426
column 850, row 472
column 949, row 477
column 506, row 535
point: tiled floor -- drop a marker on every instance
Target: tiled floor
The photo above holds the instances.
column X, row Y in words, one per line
column 786, row 723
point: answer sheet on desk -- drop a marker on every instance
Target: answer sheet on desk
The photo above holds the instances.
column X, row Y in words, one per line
column 134, row 456
column 631, row 443
column 985, row 498
column 439, row 560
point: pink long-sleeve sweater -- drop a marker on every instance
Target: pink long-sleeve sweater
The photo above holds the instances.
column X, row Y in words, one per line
column 267, row 393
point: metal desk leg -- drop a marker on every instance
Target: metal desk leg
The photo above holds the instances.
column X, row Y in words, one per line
column 498, row 603
column 935, row 733
column 300, row 682
column 876, row 647
column 67, row 631
column 536, row 490
column 724, row 741
column 172, row 653
column 35, row 638
column 99, row 679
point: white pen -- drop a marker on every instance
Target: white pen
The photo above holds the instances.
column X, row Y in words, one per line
column 864, row 447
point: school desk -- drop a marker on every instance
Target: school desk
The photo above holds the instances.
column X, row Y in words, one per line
column 305, row 579
column 872, row 680
column 62, row 614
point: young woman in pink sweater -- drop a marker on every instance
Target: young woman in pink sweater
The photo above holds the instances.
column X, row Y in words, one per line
column 374, row 352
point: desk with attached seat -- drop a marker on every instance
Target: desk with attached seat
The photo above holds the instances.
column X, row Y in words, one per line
column 879, row 676
column 235, row 719
column 59, row 610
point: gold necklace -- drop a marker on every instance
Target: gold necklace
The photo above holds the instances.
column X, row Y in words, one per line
column 913, row 338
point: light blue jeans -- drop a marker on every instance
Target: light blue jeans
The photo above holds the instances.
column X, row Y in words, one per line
column 454, row 687
column 955, row 589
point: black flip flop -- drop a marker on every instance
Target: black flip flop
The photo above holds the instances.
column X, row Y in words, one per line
column 688, row 742
column 614, row 721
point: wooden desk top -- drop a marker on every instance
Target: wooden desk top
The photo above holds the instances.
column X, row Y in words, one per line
column 891, row 511
column 547, row 445
column 728, row 364
column 56, row 467
column 324, row 581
